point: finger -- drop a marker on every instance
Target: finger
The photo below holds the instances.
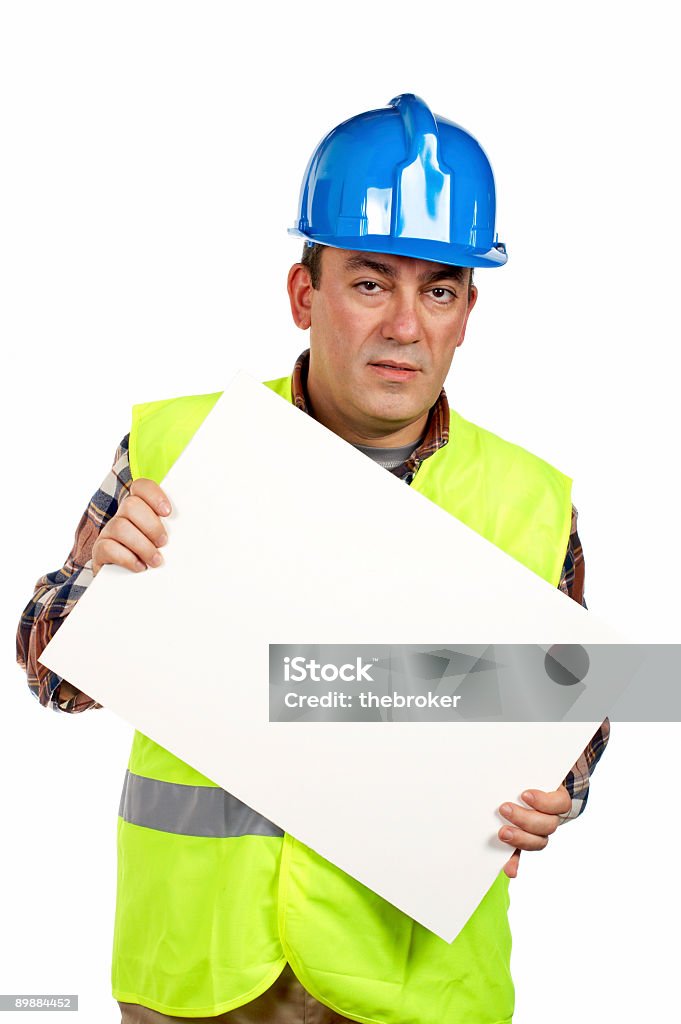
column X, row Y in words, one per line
column 152, row 493
column 142, row 516
column 522, row 840
column 511, row 866
column 110, row 552
column 530, row 821
column 127, row 534
column 556, row 801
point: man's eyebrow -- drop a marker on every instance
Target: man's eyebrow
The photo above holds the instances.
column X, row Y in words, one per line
column 444, row 274
column 360, row 262
column 364, row 263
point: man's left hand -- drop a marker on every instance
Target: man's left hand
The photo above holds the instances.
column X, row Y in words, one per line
column 530, row 829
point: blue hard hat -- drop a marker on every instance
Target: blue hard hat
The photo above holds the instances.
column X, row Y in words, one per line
column 402, row 180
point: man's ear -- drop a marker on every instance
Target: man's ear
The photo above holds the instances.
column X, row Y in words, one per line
column 473, row 298
column 299, row 287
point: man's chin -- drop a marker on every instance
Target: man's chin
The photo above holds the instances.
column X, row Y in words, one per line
column 393, row 416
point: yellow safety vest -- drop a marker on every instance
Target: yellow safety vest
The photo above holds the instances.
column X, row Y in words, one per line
column 213, row 899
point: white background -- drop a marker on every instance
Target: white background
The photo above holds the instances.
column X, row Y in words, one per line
column 151, row 162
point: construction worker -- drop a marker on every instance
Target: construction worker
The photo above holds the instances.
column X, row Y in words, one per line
column 219, row 915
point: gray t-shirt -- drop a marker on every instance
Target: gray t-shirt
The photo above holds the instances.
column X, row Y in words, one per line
column 389, row 458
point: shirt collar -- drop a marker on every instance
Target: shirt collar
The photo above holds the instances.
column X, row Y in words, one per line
column 437, row 427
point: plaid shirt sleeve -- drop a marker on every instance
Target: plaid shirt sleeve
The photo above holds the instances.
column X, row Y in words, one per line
column 56, row 593
column 577, row 780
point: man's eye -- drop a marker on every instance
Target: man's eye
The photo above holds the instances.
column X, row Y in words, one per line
column 442, row 294
column 372, row 286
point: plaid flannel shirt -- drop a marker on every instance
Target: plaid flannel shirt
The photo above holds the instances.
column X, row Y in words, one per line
column 56, row 593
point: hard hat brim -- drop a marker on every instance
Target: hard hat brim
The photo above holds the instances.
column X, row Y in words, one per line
column 450, row 254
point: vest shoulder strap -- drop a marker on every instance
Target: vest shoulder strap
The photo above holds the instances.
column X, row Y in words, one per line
column 161, row 430
column 512, row 497
column 282, row 386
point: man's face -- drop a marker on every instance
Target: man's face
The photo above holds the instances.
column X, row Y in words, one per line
column 383, row 331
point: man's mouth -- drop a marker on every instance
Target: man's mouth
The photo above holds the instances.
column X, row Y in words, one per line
column 394, row 371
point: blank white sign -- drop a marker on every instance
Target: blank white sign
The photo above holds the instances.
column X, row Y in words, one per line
column 306, row 540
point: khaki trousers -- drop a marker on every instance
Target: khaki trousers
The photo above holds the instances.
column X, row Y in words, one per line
column 285, row 1002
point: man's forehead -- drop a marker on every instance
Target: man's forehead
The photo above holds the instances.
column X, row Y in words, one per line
column 395, row 266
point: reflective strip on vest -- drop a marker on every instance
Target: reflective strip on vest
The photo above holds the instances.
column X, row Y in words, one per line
column 189, row 810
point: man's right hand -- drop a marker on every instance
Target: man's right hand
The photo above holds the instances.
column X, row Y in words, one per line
column 133, row 536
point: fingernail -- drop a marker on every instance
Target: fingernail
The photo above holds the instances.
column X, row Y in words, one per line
column 164, row 508
column 156, row 559
column 506, row 810
column 528, row 797
column 162, row 540
column 506, row 833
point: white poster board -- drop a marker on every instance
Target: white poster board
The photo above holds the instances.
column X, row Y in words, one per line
column 308, row 541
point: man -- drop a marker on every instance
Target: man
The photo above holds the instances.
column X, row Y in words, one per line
column 220, row 915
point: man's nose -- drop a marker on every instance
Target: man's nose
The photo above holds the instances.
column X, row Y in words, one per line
column 401, row 322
